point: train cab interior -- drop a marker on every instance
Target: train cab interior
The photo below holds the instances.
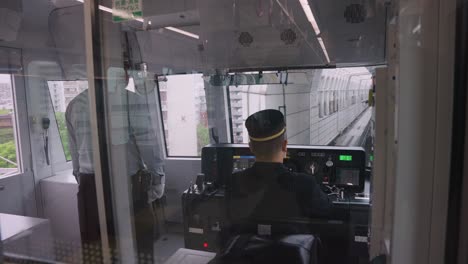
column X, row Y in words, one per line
column 121, row 115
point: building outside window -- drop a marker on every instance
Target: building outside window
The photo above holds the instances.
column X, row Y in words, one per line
column 61, row 94
column 184, row 114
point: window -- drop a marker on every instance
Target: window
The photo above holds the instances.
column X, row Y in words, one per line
column 163, row 96
column 324, row 105
column 305, row 124
column 61, row 94
column 8, row 137
column 327, row 103
column 184, row 114
column 320, row 103
column 335, row 98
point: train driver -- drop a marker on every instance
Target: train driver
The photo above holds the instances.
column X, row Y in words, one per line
column 269, row 190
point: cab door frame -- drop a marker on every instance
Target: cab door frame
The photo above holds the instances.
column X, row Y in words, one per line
column 17, row 188
column 456, row 246
column 24, row 147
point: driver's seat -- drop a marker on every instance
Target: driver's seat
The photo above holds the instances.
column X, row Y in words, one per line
column 248, row 248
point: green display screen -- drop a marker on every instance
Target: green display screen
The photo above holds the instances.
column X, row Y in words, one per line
column 346, row 157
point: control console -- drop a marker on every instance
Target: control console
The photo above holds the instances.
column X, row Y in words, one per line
column 340, row 169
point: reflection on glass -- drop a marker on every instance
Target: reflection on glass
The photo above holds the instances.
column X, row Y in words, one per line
column 61, row 94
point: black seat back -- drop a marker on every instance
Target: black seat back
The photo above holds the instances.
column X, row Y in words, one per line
column 248, row 248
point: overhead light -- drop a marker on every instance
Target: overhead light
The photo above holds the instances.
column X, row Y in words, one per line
column 123, row 14
column 310, row 16
column 320, row 40
column 173, row 29
column 101, row 7
column 106, row 9
column 183, row 32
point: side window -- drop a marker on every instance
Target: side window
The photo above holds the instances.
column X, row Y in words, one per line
column 184, row 114
column 320, row 103
column 325, row 112
column 333, row 102
column 336, row 101
column 340, row 99
column 61, row 94
column 327, row 103
column 319, row 97
column 9, row 158
column 237, row 112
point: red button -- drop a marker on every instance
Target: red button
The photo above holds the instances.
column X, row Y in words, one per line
column 205, row 245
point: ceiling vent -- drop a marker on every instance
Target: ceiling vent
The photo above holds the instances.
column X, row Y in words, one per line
column 288, row 36
column 355, row 13
column 245, row 39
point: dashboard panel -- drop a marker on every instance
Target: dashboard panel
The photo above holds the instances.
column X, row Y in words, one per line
column 343, row 167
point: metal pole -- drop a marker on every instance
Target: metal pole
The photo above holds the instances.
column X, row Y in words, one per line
column 97, row 116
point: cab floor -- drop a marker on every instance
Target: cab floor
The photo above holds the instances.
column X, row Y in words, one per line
column 171, row 239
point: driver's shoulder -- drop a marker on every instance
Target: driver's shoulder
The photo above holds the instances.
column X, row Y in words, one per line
column 298, row 179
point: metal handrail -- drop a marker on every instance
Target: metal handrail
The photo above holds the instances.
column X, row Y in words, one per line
column 9, row 161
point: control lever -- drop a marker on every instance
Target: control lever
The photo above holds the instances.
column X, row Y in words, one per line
column 339, row 192
column 191, row 188
column 368, row 173
column 200, row 182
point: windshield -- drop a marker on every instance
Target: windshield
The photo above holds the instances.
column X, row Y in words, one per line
column 321, row 107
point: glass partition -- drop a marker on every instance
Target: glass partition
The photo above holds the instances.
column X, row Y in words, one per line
column 61, row 94
column 42, row 72
column 169, row 78
column 123, row 133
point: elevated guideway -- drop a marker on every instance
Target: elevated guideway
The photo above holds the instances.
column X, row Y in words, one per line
column 356, row 133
